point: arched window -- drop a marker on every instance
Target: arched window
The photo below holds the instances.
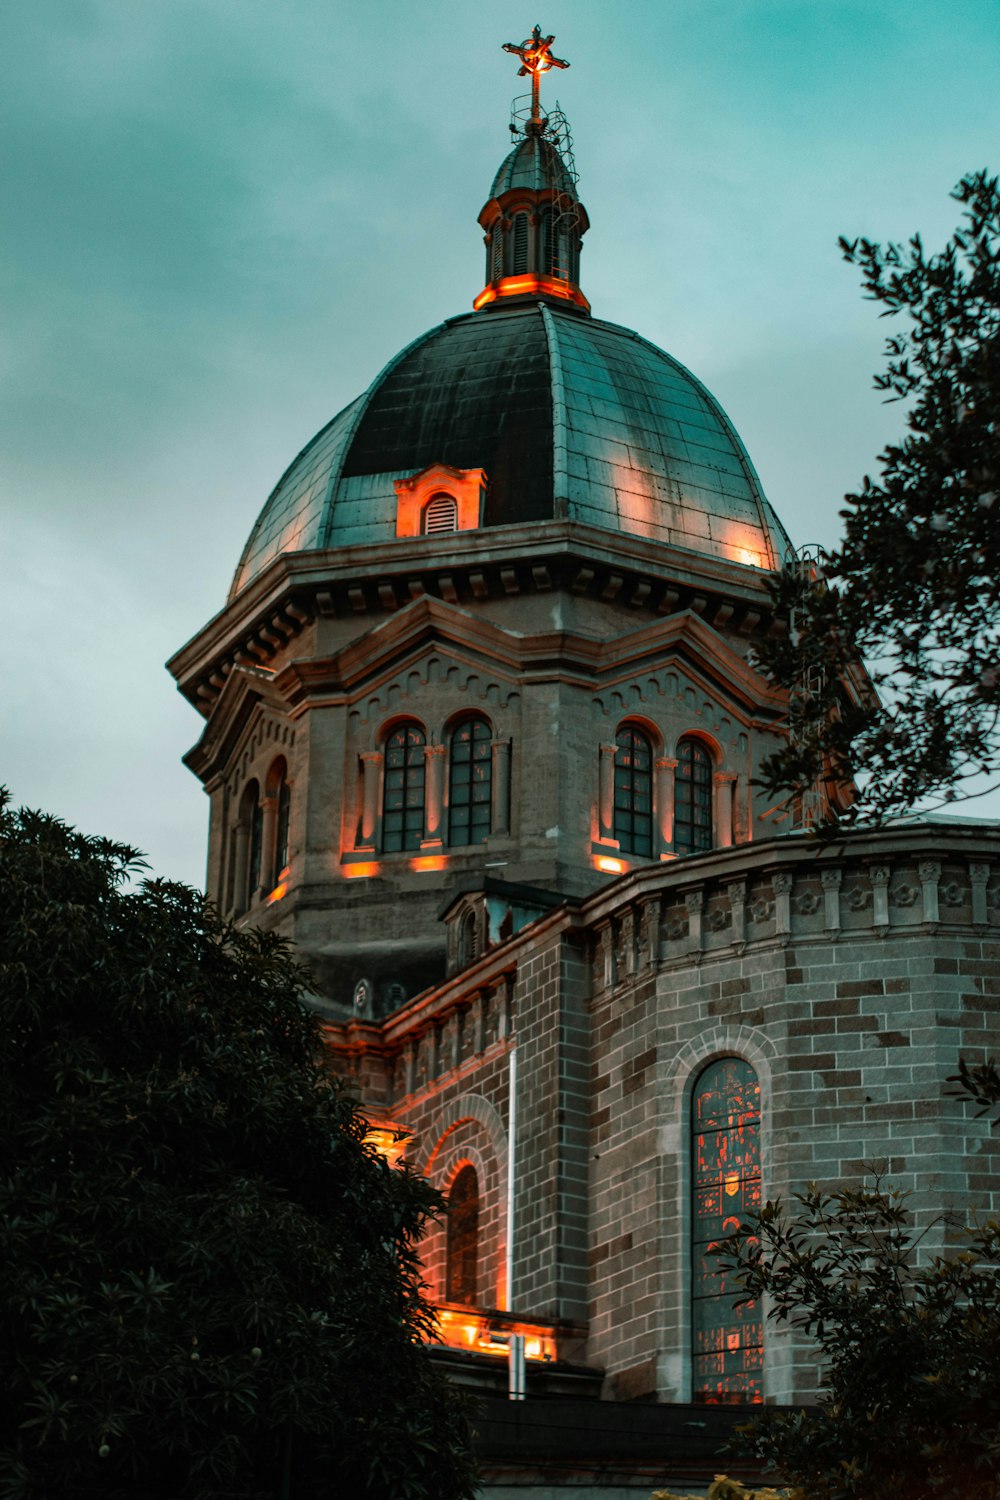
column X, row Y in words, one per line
column 634, row 792
column 403, row 801
column 440, row 514
column 520, row 262
column 727, row 1343
column 463, row 1236
column 248, row 847
column 692, row 798
column 468, row 939
column 470, row 782
column 280, row 800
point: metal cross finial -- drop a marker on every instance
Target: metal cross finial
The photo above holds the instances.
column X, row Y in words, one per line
column 536, row 57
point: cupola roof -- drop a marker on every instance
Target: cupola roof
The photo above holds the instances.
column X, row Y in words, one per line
column 535, row 164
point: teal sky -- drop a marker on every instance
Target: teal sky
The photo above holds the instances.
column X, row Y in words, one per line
column 222, row 217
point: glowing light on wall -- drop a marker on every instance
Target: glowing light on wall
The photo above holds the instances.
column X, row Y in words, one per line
column 281, row 889
column 491, row 1334
column 429, row 862
column 352, row 872
column 530, row 285
column 389, row 1140
column 610, row 866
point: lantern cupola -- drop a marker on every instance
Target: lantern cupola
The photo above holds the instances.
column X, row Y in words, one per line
column 533, row 221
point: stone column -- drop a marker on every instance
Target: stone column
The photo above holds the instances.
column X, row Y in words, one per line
column 737, row 892
column 664, row 800
column 782, row 886
column 724, row 781
column 879, row 877
column 371, row 768
column 979, row 875
column 606, row 795
column 930, row 874
column 695, row 903
column 831, row 895
column 434, row 757
column 628, row 940
column 269, row 842
column 500, row 793
column 241, row 856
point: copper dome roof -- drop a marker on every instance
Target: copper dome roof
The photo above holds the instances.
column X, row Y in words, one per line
column 569, row 416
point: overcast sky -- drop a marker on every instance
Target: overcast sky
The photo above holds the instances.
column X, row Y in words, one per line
column 222, row 217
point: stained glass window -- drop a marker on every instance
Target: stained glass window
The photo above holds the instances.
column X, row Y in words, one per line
column 727, row 1342
column 403, row 802
column 470, row 782
column 634, row 792
column 692, row 798
column 463, row 1236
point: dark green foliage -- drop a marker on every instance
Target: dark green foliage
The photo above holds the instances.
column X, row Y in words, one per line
column 909, row 1346
column 913, row 588
column 209, row 1285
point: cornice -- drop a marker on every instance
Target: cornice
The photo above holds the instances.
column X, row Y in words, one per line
column 653, row 578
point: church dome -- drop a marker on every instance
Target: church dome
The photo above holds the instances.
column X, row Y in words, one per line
column 534, row 163
column 569, row 417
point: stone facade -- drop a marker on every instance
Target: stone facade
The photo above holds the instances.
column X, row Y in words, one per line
column 851, row 976
column 539, row 525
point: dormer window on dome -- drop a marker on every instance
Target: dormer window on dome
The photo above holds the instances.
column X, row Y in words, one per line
column 440, row 499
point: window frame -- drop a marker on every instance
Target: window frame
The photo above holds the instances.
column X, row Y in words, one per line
column 625, row 814
column 404, row 780
column 701, row 837
column 725, row 1173
column 462, row 1239
column 466, row 837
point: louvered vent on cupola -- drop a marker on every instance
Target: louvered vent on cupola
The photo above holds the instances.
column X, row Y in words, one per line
column 520, row 244
column 441, row 514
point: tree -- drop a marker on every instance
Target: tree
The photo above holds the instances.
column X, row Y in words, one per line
column 210, row 1286
column 910, row 1405
column 913, row 587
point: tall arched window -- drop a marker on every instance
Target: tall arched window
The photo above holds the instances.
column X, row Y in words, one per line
column 248, row 847
column 634, row 792
column 692, row 798
column 495, row 270
column 470, row 782
column 281, row 831
column 440, row 514
column 463, row 1236
column 727, row 1343
column 403, row 800
column 278, row 801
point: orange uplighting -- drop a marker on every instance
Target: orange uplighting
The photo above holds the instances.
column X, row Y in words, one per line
column 490, row 1333
column 530, row 285
column 281, row 889
column 610, row 866
column 390, row 1141
column 429, row 862
column 370, row 867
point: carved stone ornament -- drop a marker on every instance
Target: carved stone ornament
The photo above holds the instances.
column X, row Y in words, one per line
column 675, row 928
column 717, row 919
column 952, row 894
column 761, row 909
column 857, row 898
column 903, row 894
column 806, row 903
